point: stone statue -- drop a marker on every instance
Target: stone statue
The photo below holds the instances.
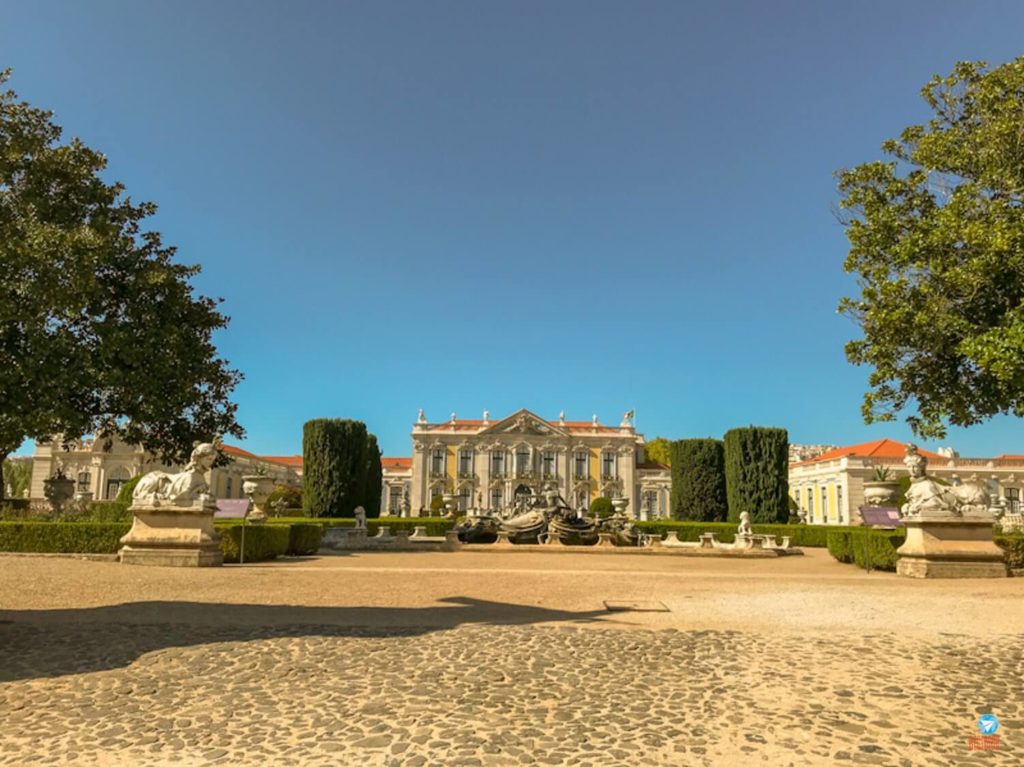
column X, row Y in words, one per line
column 360, row 514
column 422, row 418
column 925, row 495
column 744, row 528
column 187, row 488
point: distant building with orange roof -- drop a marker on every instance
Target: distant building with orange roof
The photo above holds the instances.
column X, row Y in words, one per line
column 830, row 486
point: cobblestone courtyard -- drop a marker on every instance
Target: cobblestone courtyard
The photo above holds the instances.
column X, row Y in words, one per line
column 503, row 659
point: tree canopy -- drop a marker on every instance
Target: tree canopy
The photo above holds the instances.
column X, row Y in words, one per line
column 659, row 450
column 937, row 243
column 100, row 331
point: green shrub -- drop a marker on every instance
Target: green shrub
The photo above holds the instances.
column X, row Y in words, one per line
column 108, row 511
column 334, row 466
column 434, row 525
column 262, row 542
column 62, row 537
column 1013, row 546
column 875, row 549
column 698, row 480
column 373, row 478
column 757, row 473
column 839, row 545
column 124, row 495
column 292, row 497
column 304, row 539
column 437, row 503
column 601, row 507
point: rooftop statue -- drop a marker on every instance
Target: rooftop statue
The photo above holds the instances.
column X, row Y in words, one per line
column 187, row 488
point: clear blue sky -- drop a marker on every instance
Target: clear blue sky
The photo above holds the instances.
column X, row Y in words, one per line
column 585, row 206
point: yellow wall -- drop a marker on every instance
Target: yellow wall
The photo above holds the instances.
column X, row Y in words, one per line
column 595, row 471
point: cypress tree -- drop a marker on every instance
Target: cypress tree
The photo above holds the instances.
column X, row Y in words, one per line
column 334, row 464
column 698, row 480
column 757, row 473
column 374, row 480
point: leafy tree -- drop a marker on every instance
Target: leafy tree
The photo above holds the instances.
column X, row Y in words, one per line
column 659, row 450
column 698, row 480
column 601, row 507
column 937, row 243
column 333, row 467
column 17, row 476
column 374, row 478
column 99, row 329
column 436, row 504
column 757, row 473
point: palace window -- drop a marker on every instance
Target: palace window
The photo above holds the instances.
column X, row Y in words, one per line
column 497, row 498
column 651, row 503
column 437, row 457
column 609, row 465
column 824, row 503
column 464, row 496
column 839, row 503
column 395, row 500
column 497, row 462
column 227, row 487
column 522, row 461
column 1012, row 495
column 550, row 466
column 581, row 464
column 810, row 504
column 465, row 462
column 84, row 480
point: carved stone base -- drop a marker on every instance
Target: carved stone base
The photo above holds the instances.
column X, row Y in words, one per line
column 959, row 547
column 172, row 536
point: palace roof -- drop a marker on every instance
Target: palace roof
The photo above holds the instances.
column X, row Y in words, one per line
column 880, row 448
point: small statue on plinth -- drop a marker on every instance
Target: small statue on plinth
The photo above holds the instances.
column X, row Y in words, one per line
column 744, row 528
column 186, row 488
column 360, row 515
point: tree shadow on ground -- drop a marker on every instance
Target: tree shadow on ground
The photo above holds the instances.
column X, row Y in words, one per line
column 48, row 643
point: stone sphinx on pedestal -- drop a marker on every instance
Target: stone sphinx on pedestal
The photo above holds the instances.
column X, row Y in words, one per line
column 949, row 529
column 173, row 517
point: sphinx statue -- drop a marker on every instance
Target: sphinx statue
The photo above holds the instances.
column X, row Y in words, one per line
column 186, row 488
column 926, row 497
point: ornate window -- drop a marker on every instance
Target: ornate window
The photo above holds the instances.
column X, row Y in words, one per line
column 839, row 503
column 609, row 465
column 1012, row 495
column 395, row 498
column 582, row 458
column 550, row 465
column 810, row 504
column 465, row 463
column 437, row 460
column 84, row 480
column 497, row 498
column 824, row 503
column 464, row 497
column 522, row 462
column 497, row 463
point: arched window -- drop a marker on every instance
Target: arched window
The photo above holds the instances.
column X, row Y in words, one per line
column 115, row 479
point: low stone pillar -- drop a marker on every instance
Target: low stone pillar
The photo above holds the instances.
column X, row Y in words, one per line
column 553, row 540
column 356, row 538
column 401, row 539
column 420, row 531
column 785, row 542
column 754, row 541
column 451, row 541
column 952, row 547
column 604, row 540
column 172, row 536
column 384, row 531
column 502, row 539
column 654, row 540
column 707, row 540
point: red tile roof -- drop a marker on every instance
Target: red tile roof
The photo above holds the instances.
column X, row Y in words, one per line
column 880, row 448
column 295, row 461
column 396, row 463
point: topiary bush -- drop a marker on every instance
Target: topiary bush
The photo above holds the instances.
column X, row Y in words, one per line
column 262, row 542
column 334, row 465
column 601, row 507
column 304, row 539
column 698, row 480
column 62, row 537
column 839, row 545
column 757, row 473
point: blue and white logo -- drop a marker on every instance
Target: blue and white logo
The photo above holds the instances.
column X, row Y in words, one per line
column 988, row 724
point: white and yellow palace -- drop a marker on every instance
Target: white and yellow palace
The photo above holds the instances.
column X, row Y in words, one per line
column 486, row 463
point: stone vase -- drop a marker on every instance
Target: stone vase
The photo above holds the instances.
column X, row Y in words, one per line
column 58, row 491
column 880, row 492
column 620, row 505
column 258, row 488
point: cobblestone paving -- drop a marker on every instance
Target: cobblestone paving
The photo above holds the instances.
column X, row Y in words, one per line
column 157, row 694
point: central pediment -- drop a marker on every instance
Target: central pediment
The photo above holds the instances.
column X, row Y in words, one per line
column 526, row 423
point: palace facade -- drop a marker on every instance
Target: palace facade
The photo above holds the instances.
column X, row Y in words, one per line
column 486, row 463
column 830, row 486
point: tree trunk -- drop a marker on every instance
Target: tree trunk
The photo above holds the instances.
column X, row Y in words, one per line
column 3, row 486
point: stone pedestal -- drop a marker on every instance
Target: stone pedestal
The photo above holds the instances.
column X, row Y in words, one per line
column 950, row 547
column 172, row 536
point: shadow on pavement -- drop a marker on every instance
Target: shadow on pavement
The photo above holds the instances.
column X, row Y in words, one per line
column 49, row 643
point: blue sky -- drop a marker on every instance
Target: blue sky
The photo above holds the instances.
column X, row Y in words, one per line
column 586, row 206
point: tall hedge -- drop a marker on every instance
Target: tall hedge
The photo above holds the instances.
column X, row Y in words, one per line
column 374, row 479
column 334, row 461
column 698, row 480
column 757, row 473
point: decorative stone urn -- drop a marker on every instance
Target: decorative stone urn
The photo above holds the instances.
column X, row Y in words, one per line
column 58, row 490
column 880, row 492
column 451, row 503
column 257, row 488
column 620, row 504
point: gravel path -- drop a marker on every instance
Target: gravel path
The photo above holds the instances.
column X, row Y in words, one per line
column 341, row 674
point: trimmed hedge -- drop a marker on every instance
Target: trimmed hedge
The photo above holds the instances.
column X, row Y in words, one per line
column 876, row 549
column 262, row 542
column 757, row 473
column 334, row 466
column 1013, row 546
column 303, row 539
column 809, row 536
column 62, row 537
column 698, row 480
